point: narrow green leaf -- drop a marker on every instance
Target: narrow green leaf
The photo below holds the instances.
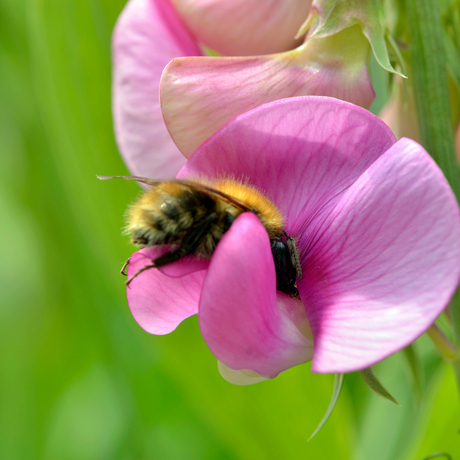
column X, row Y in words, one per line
column 379, row 47
column 338, row 383
column 415, row 368
column 429, row 72
column 375, row 384
column 453, row 61
column 395, row 48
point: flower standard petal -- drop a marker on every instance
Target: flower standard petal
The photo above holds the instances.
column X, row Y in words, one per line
column 240, row 318
column 303, row 152
column 199, row 95
column 384, row 264
column 159, row 302
column 244, row 27
column 147, row 36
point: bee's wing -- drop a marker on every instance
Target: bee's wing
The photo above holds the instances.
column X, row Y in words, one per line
column 223, row 196
column 192, row 184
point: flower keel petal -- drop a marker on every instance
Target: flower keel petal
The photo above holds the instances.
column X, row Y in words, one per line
column 239, row 316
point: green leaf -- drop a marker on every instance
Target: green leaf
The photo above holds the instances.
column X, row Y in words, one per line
column 338, row 383
column 453, row 62
column 428, row 69
column 375, row 384
column 415, row 368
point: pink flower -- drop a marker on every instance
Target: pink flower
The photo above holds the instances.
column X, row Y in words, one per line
column 376, row 224
column 158, row 57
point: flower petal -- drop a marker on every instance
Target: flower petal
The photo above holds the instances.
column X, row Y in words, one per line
column 384, row 264
column 199, row 95
column 399, row 112
column 184, row 266
column 147, row 36
column 239, row 315
column 239, row 377
column 244, row 27
column 159, row 302
column 303, row 152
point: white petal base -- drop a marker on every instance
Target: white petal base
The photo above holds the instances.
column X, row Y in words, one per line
column 240, row 376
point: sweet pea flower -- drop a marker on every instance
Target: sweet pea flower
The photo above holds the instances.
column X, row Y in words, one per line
column 377, row 229
column 169, row 98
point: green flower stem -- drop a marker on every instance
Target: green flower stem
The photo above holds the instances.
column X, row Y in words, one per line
column 443, row 344
column 456, row 366
column 448, row 351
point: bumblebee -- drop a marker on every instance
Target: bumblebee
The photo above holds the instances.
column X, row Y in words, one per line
column 192, row 215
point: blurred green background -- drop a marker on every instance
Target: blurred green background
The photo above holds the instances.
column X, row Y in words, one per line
column 78, row 378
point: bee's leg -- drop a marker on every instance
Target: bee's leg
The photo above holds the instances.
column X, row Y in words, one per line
column 188, row 246
column 125, row 265
column 147, row 267
column 190, row 242
column 290, row 242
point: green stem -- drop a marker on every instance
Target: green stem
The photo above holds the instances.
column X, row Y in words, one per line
column 447, row 350
column 456, row 366
column 443, row 344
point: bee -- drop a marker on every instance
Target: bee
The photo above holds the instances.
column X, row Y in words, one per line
column 192, row 215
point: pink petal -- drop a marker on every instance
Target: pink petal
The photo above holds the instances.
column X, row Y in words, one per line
column 240, row 318
column 302, row 152
column 200, row 95
column 147, row 36
column 244, row 27
column 159, row 302
column 184, row 266
column 384, row 264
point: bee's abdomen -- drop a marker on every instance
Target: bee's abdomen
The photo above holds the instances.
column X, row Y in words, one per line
column 163, row 217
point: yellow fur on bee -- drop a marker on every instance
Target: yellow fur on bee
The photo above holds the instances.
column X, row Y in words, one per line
column 268, row 214
column 170, row 209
